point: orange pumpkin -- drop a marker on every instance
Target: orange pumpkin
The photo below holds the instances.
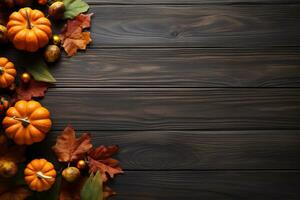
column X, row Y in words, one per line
column 40, row 175
column 27, row 122
column 7, row 73
column 29, row 29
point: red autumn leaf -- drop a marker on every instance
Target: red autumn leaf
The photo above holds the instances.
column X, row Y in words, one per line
column 68, row 148
column 30, row 90
column 13, row 193
column 100, row 160
column 72, row 35
column 14, row 153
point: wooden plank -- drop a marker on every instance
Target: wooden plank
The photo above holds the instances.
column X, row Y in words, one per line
column 196, row 26
column 176, row 68
column 194, row 2
column 196, row 150
column 175, row 109
column 180, row 68
column 225, row 185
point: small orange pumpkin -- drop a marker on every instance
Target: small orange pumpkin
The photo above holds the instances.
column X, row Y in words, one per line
column 40, row 175
column 7, row 73
column 27, row 122
column 29, row 29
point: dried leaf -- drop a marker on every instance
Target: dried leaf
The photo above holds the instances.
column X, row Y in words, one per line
column 68, row 148
column 14, row 193
column 71, row 191
column 31, row 90
column 100, row 160
column 72, row 35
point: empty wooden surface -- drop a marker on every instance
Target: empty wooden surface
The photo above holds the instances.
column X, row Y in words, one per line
column 202, row 96
column 180, row 68
column 175, row 109
column 196, row 26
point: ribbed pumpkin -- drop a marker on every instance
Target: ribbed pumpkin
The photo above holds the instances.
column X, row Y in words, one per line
column 7, row 73
column 27, row 122
column 40, row 175
column 29, row 29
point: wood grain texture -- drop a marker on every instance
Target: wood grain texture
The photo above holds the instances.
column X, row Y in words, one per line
column 180, row 68
column 196, row 26
column 230, row 185
column 188, row 2
column 175, row 109
column 196, row 150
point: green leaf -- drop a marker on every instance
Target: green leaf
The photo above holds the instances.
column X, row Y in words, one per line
column 93, row 188
column 74, row 8
column 37, row 67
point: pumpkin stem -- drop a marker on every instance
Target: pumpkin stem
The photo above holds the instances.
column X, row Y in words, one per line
column 29, row 26
column 41, row 175
column 25, row 121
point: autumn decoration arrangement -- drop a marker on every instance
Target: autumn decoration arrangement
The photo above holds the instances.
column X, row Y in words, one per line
column 37, row 31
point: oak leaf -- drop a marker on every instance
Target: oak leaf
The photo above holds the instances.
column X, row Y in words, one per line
column 68, row 148
column 33, row 89
column 72, row 35
column 100, row 160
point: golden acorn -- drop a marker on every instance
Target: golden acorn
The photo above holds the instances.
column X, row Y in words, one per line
column 70, row 174
column 52, row 53
column 8, row 169
column 25, row 77
column 56, row 40
column 81, row 164
column 57, row 10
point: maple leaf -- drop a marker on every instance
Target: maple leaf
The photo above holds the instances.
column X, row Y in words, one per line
column 72, row 35
column 100, row 160
column 32, row 89
column 13, row 193
column 68, row 148
column 14, row 153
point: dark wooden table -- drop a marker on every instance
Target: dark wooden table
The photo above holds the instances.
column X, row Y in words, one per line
column 203, row 97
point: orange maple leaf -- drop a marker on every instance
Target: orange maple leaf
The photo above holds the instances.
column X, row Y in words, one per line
column 30, row 90
column 68, row 148
column 72, row 35
column 100, row 160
